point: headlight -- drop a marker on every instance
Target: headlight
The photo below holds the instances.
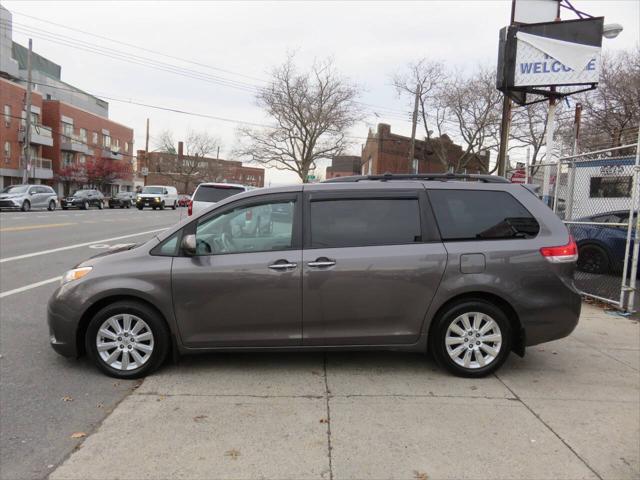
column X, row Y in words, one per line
column 157, row 199
column 75, row 274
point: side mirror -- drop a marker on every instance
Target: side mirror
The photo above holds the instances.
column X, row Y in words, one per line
column 188, row 245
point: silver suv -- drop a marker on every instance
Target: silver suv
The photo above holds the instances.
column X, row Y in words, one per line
column 466, row 267
column 26, row 197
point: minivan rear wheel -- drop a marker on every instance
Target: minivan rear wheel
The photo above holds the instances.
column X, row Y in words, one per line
column 127, row 340
column 471, row 338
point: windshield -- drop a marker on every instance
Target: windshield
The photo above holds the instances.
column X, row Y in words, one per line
column 214, row 193
column 153, row 190
column 15, row 189
column 123, row 195
column 81, row 193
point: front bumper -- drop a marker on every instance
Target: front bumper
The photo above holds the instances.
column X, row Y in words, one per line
column 148, row 202
column 10, row 203
column 63, row 324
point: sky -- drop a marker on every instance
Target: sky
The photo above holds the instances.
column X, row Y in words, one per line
column 222, row 51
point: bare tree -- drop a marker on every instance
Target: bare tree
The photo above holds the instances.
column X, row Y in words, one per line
column 473, row 104
column 612, row 111
column 311, row 112
column 193, row 166
column 426, row 79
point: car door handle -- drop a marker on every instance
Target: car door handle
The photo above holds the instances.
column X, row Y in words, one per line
column 321, row 262
column 283, row 266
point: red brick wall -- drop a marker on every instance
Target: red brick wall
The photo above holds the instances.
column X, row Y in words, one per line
column 53, row 112
column 14, row 95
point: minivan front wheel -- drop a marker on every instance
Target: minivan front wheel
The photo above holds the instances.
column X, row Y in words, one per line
column 471, row 338
column 127, row 340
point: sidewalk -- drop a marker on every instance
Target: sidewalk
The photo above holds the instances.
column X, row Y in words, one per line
column 569, row 409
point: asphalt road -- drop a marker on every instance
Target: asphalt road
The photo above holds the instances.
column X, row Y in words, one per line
column 45, row 398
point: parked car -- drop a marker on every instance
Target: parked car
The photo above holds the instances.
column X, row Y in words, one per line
column 122, row 200
column 468, row 270
column 208, row 194
column 83, row 199
column 26, row 197
column 157, row 196
column 184, row 200
column 601, row 248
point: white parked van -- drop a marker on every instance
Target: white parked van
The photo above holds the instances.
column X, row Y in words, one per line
column 157, row 196
column 206, row 194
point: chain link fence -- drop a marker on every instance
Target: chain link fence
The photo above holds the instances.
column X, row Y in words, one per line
column 596, row 194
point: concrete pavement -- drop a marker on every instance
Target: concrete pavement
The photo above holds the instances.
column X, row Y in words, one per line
column 569, row 409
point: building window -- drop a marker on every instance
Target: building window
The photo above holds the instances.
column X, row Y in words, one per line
column 610, row 187
column 414, row 165
column 67, row 159
column 7, row 150
column 7, row 115
column 67, row 130
column 82, row 159
column 83, row 135
column 95, row 138
column 117, row 143
column 106, row 141
column 126, row 147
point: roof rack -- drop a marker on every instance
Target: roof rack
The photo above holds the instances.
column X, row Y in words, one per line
column 443, row 177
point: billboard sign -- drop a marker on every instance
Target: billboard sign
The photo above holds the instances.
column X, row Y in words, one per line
column 550, row 54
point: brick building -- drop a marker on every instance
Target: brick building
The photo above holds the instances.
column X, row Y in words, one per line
column 186, row 172
column 389, row 152
column 344, row 166
column 12, row 136
column 81, row 137
column 69, row 127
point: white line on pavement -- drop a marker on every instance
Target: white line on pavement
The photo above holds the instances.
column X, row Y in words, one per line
column 78, row 245
column 29, row 287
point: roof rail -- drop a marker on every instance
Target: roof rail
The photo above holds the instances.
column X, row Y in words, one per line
column 421, row 176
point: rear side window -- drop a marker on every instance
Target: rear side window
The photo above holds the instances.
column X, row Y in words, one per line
column 212, row 193
column 481, row 215
column 353, row 223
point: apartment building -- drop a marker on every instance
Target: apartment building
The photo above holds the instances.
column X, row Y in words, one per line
column 13, row 135
column 343, row 166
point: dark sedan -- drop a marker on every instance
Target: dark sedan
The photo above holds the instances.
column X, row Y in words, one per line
column 83, row 199
column 601, row 245
column 122, row 200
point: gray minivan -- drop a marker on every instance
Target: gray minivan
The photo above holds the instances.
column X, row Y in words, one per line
column 27, row 197
column 466, row 267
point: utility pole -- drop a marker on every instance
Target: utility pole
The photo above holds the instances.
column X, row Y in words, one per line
column 27, row 128
column 218, row 154
column 414, row 123
column 146, row 155
column 505, row 123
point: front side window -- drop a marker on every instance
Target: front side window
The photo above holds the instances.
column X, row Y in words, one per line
column 610, row 187
column 481, row 215
column 256, row 228
column 365, row 222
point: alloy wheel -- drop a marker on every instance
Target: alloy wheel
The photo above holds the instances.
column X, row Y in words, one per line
column 124, row 342
column 473, row 340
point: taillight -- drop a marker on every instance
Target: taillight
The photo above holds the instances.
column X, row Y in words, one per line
column 561, row 254
column 190, row 208
column 248, row 216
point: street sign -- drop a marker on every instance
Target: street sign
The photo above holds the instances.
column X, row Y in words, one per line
column 144, row 171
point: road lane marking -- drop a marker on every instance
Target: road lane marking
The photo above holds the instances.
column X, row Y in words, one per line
column 29, row 287
column 34, row 227
column 79, row 245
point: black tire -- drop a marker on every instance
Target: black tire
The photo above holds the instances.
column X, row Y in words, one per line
column 111, row 206
column 159, row 329
column 100, row 205
column 85, row 205
column 154, row 208
column 162, row 205
column 140, row 207
column 52, row 206
column 175, row 204
column 437, row 337
column 65, row 208
column 26, row 206
column 593, row 259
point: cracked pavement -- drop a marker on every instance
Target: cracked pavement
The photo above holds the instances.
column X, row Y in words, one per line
column 569, row 409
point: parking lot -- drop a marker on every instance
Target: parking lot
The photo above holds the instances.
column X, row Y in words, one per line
column 569, row 409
